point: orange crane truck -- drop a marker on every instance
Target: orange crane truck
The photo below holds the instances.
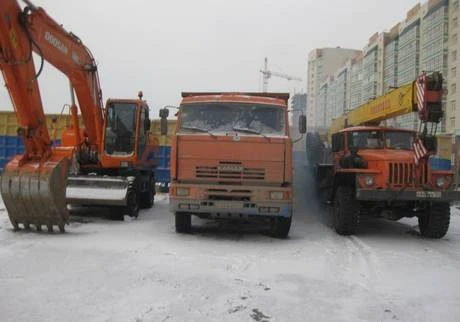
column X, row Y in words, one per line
column 231, row 158
column 383, row 171
column 101, row 162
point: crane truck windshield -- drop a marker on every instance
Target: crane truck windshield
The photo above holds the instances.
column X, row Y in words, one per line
column 121, row 128
column 250, row 119
column 379, row 139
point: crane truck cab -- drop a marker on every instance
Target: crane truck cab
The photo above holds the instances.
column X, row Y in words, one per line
column 231, row 159
column 374, row 173
column 383, row 171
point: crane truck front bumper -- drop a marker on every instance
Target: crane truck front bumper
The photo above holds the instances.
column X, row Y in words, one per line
column 407, row 195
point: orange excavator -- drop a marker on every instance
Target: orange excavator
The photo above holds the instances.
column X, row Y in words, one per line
column 103, row 162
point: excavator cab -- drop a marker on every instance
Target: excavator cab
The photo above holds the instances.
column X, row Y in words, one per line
column 120, row 128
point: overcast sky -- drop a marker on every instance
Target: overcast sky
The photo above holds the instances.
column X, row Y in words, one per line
column 165, row 47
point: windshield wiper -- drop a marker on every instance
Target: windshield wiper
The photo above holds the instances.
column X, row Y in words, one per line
column 198, row 129
column 248, row 130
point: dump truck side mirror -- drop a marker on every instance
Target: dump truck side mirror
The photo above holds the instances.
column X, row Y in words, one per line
column 302, row 124
column 164, row 113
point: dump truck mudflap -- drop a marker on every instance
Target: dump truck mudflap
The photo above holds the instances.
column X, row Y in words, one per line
column 34, row 193
column 98, row 190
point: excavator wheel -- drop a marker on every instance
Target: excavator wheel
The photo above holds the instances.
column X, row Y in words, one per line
column 34, row 193
column 132, row 208
column 147, row 197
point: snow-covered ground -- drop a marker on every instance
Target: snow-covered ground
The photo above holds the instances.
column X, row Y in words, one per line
column 141, row 270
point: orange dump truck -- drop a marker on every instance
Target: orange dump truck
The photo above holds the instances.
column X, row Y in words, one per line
column 231, row 158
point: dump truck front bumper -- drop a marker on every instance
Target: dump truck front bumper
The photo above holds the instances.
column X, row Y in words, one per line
column 230, row 208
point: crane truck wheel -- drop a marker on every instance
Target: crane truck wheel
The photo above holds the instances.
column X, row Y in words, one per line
column 280, row 227
column 183, row 222
column 346, row 211
column 435, row 222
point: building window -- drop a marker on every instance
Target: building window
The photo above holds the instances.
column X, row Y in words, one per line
column 454, row 72
column 452, row 123
column 454, row 38
column 454, row 22
column 452, row 106
column 454, row 55
column 455, row 4
column 453, row 88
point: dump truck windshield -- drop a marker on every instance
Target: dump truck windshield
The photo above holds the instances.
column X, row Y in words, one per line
column 120, row 130
column 249, row 119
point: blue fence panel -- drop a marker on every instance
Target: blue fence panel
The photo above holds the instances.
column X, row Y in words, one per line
column 163, row 160
column 11, row 146
column 440, row 164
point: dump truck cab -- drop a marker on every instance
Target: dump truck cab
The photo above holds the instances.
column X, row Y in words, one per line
column 231, row 158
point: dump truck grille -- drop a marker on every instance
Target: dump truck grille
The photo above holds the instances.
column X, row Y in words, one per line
column 405, row 173
column 230, row 171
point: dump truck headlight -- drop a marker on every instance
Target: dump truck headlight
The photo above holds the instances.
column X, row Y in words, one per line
column 440, row 182
column 369, row 181
column 276, row 195
column 182, row 192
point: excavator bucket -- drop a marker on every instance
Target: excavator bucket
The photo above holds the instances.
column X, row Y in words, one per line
column 93, row 190
column 34, row 193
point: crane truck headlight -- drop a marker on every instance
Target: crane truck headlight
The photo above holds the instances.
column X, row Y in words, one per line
column 440, row 182
column 276, row 195
column 182, row 192
column 369, row 181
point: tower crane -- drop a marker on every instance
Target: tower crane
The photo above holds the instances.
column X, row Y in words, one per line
column 268, row 74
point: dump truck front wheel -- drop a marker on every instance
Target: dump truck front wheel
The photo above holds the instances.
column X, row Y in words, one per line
column 183, row 222
column 434, row 223
column 346, row 211
column 280, row 227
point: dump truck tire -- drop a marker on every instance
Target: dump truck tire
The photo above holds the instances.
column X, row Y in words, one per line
column 280, row 227
column 346, row 211
column 183, row 222
column 435, row 222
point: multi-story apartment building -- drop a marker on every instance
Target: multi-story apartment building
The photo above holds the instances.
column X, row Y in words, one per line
column 356, row 81
column 342, row 92
column 390, row 70
column 453, row 74
column 373, row 59
column 409, row 57
column 321, row 63
column 321, row 107
column 434, row 42
column 427, row 40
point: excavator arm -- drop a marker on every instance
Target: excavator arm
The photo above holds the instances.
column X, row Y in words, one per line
column 35, row 31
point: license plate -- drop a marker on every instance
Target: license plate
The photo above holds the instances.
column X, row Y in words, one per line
column 428, row 194
column 228, row 205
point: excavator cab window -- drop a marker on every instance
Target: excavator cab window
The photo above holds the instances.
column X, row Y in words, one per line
column 120, row 128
